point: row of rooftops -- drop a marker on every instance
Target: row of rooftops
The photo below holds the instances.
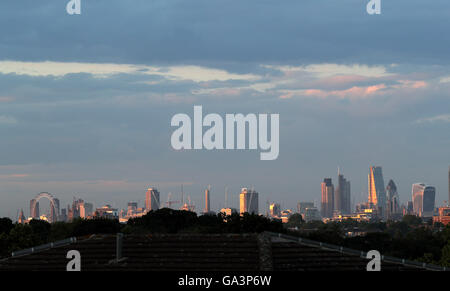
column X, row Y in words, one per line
column 200, row 252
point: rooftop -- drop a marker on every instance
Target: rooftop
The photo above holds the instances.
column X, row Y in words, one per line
column 201, row 252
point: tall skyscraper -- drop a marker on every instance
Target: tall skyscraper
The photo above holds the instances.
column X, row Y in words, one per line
column 342, row 195
column 249, row 201
column 327, row 198
column 34, row 209
column 423, row 197
column 86, row 209
column 393, row 200
column 207, row 201
column 377, row 192
column 152, row 199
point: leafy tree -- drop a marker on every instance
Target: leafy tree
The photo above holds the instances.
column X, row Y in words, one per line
column 165, row 220
column 445, row 257
column 5, row 225
column 295, row 220
column 40, row 230
column 412, row 220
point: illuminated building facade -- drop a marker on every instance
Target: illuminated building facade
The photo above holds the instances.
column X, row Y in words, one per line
column 377, row 192
column 248, row 201
column 327, row 188
column 423, row 197
column 152, row 199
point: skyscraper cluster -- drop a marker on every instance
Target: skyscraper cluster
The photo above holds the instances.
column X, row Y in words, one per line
column 335, row 201
column 423, row 197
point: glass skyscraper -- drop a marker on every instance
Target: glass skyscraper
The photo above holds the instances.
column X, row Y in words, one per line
column 377, row 192
column 423, row 197
column 327, row 188
column 152, row 199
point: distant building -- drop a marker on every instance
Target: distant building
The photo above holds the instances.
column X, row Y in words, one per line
column 327, row 198
column 409, row 209
column 21, row 219
column 131, row 208
column 34, row 209
column 207, row 201
column 74, row 210
column 275, row 210
column 63, row 215
column 284, row 215
column 393, row 200
column 249, row 201
column 423, row 197
column 301, row 206
column 448, row 201
column 86, row 209
column 443, row 215
column 107, row 212
column 228, row 211
column 311, row 214
column 342, row 196
column 152, row 199
column 377, row 192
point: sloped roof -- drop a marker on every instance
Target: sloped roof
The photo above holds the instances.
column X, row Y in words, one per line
column 199, row 252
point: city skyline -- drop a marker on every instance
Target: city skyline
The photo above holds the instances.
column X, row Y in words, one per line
column 153, row 199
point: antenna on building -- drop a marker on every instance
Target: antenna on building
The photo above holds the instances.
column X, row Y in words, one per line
column 226, row 197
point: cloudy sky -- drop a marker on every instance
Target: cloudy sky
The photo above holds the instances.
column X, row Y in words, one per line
column 86, row 101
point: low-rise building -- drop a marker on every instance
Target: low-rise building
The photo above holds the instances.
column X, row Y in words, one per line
column 443, row 215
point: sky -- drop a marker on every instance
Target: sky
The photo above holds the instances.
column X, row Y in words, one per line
column 86, row 100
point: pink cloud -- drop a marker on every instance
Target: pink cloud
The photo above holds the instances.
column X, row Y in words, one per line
column 6, row 99
column 353, row 92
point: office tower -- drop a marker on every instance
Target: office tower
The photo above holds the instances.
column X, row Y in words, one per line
column 275, row 210
column 228, row 211
column 248, row 201
column 34, row 209
column 423, row 197
column 63, row 216
column 207, row 205
column 152, row 199
column 377, row 192
column 311, row 214
column 448, row 202
column 342, row 195
column 86, row 209
column 301, row 206
column 327, row 198
column 393, row 200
